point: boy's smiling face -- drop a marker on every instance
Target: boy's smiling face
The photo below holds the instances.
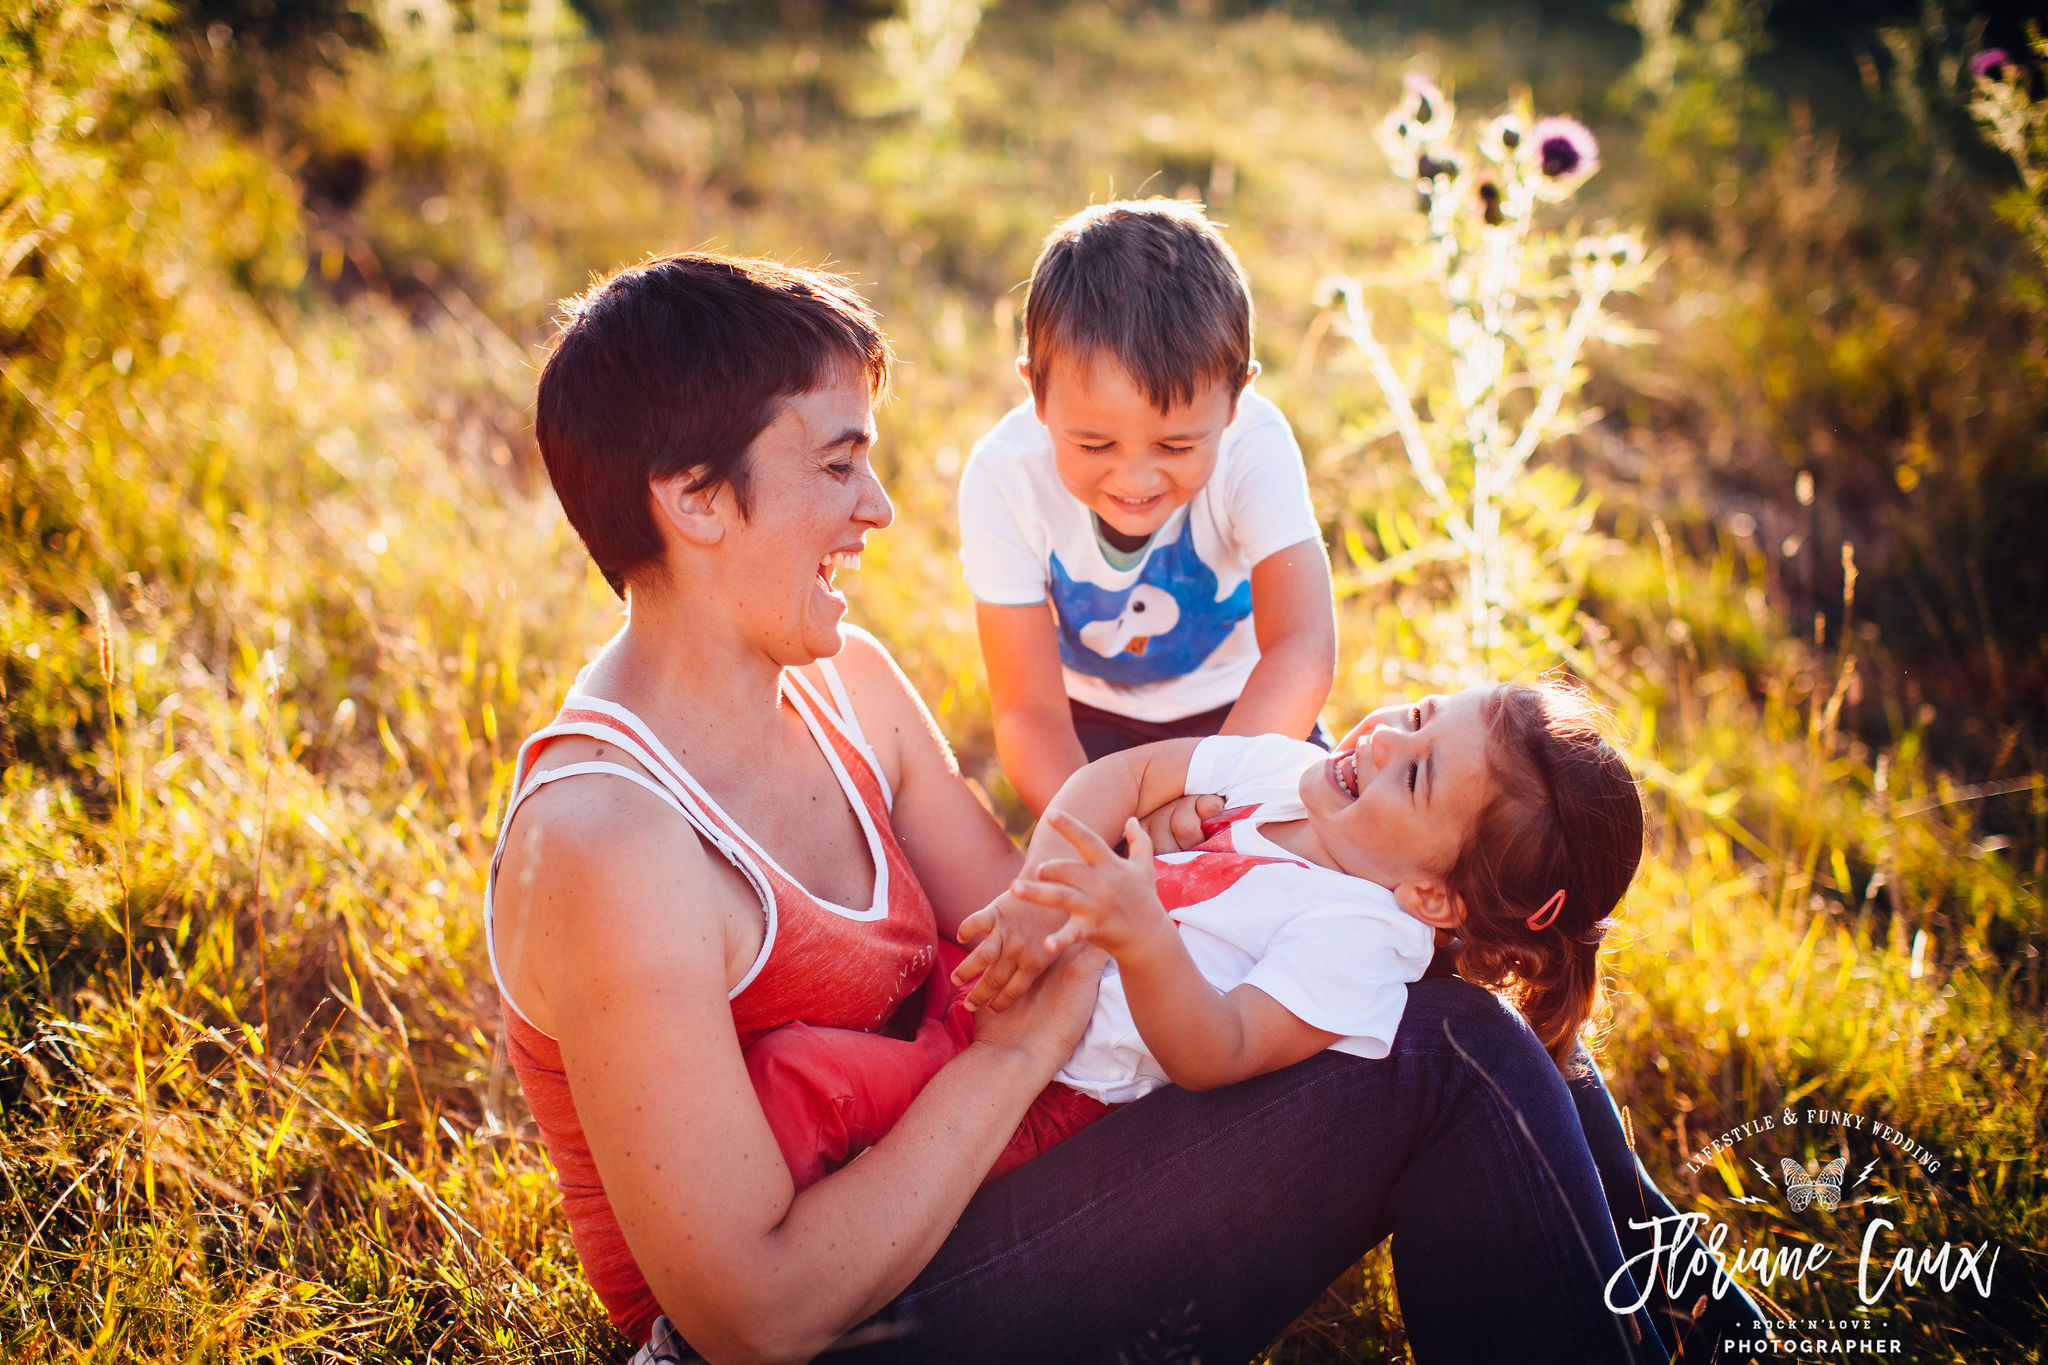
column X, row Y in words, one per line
column 1130, row 463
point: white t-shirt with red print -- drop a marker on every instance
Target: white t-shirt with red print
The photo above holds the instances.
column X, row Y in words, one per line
column 1332, row 949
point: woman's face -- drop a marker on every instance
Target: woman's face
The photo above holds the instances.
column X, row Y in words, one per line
column 812, row 499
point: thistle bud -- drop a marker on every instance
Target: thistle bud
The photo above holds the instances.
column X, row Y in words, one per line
column 1501, row 137
column 1489, row 204
column 1427, row 110
column 1432, row 167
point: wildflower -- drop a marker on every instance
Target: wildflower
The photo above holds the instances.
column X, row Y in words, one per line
column 1426, row 108
column 1430, row 167
column 1499, row 138
column 1591, row 265
column 1420, row 121
column 1565, row 152
column 1331, row 289
column 1396, row 135
column 1489, row 202
column 1610, row 262
column 1990, row 64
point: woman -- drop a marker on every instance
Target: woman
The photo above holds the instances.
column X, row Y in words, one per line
column 771, row 829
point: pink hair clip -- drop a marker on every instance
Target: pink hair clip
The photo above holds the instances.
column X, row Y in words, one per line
column 1543, row 918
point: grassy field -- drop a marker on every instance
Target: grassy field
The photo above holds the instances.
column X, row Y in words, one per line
column 281, row 585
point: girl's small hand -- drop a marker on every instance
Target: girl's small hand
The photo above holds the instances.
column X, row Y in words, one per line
column 1110, row 901
column 1010, row 955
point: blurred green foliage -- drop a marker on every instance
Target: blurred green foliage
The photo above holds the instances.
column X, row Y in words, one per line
column 282, row 588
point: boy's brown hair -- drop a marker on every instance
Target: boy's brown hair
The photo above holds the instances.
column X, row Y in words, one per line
column 1153, row 283
column 1565, row 817
column 673, row 367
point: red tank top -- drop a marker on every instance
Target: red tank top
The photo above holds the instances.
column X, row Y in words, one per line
column 824, row 964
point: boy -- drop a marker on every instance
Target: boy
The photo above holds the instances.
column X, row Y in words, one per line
column 1138, row 536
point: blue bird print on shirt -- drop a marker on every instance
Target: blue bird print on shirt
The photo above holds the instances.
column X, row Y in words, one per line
column 1163, row 626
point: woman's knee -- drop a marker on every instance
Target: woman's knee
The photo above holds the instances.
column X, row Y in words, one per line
column 1454, row 1030
column 1447, row 1014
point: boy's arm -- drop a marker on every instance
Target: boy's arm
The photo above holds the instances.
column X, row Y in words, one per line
column 1295, row 619
column 1028, row 700
column 1201, row 1037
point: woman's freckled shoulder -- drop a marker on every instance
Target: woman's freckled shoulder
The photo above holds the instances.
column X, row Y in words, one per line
column 596, row 820
column 864, row 659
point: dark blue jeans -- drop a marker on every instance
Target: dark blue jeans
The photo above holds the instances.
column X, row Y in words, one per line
column 1196, row 1226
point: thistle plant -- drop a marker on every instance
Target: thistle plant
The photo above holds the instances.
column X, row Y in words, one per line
column 923, row 47
column 1518, row 307
column 2016, row 122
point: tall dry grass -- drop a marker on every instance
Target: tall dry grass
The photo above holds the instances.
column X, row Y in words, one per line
column 282, row 590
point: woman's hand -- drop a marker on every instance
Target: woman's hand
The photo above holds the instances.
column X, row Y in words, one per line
column 1047, row 1020
column 1112, row 902
column 1177, row 826
column 1012, row 951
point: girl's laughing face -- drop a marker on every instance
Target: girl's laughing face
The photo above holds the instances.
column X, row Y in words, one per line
column 1402, row 793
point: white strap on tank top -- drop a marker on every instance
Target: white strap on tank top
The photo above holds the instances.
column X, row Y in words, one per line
column 672, row 783
column 839, row 713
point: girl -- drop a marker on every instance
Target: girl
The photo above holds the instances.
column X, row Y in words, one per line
column 1496, row 819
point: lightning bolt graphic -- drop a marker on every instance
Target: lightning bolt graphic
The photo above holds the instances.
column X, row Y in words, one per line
column 1764, row 1173
column 1866, row 1173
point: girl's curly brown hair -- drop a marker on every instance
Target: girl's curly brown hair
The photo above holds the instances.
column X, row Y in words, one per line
column 1565, row 815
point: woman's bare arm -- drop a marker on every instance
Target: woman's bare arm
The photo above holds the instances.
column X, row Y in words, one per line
column 963, row 859
column 624, row 916
column 962, row 856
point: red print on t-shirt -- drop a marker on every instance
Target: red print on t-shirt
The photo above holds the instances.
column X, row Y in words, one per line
column 1216, row 868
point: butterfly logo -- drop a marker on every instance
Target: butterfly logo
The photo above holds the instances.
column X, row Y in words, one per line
column 1823, row 1190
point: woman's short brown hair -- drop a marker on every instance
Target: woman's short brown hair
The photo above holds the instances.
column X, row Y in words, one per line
column 1153, row 283
column 673, row 367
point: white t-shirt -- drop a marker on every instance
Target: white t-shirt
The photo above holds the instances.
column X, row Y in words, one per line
column 1171, row 635
column 1334, row 950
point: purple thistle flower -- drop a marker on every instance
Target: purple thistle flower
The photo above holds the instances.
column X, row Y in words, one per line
column 1987, row 65
column 1564, row 151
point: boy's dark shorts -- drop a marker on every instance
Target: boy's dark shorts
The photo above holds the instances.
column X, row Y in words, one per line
column 1105, row 732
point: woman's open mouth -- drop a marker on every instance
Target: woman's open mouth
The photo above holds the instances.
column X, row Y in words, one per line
column 831, row 564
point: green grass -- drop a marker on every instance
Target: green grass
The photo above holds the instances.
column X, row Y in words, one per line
column 283, row 588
